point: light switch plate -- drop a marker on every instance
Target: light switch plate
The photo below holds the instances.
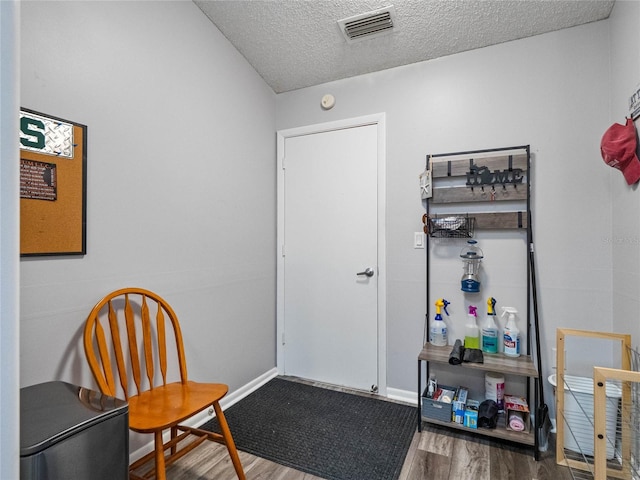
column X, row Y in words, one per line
column 418, row 240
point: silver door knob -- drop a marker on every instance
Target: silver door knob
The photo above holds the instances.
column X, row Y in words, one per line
column 368, row 272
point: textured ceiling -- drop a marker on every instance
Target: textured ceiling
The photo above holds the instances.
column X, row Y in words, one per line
column 297, row 43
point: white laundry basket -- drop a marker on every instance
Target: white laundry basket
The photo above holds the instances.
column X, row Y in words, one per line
column 578, row 414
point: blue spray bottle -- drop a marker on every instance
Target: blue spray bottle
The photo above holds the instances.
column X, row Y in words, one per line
column 438, row 329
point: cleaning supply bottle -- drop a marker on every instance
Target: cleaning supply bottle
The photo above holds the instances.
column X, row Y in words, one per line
column 471, row 330
column 433, row 386
column 438, row 329
column 490, row 329
column 511, row 333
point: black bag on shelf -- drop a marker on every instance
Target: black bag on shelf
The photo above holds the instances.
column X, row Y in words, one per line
column 488, row 414
column 456, row 355
column 473, row 355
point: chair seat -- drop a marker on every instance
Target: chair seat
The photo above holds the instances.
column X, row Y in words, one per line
column 168, row 405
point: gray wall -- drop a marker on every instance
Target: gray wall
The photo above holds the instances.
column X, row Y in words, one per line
column 625, row 233
column 550, row 91
column 181, row 183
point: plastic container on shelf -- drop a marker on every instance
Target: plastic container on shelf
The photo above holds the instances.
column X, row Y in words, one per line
column 494, row 388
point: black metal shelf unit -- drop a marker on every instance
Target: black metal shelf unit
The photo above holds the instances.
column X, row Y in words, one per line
column 490, row 182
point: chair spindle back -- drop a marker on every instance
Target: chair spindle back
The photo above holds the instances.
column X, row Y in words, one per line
column 114, row 343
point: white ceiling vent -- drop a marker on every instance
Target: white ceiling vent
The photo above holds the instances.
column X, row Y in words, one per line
column 368, row 25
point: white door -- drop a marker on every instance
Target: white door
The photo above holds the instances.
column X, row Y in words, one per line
column 329, row 228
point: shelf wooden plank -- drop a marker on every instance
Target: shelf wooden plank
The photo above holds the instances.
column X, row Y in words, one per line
column 442, row 168
column 491, row 220
column 524, row 438
column 465, row 194
column 501, row 220
column 522, row 365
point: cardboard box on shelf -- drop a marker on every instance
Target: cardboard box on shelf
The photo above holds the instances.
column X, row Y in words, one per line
column 471, row 414
column 459, row 404
column 517, row 413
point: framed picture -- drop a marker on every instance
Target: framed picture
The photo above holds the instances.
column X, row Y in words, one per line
column 53, row 185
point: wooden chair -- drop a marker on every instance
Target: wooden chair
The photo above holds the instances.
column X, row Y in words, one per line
column 139, row 349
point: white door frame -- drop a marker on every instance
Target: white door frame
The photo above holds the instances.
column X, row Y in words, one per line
column 378, row 119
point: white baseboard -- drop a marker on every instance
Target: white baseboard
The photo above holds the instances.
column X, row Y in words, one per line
column 406, row 396
column 237, row 395
column 204, row 416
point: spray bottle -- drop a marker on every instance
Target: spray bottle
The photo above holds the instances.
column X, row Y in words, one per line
column 433, row 386
column 438, row 329
column 511, row 333
column 471, row 330
column 490, row 329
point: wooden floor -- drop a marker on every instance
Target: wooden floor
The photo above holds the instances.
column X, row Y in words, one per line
column 436, row 453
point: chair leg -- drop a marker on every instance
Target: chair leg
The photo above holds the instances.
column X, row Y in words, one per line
column 159, row 446
column 174, row 434
column 231, row 446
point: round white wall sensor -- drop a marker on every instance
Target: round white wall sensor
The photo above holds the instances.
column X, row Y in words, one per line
column 328, row 101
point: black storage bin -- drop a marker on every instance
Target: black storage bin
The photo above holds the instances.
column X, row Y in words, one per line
column 72, row 433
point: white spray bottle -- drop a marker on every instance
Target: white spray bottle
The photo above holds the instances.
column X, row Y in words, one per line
column 511, row 333
column 438, row 329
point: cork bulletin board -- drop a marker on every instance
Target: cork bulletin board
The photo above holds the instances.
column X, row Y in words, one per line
column 53, row 185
